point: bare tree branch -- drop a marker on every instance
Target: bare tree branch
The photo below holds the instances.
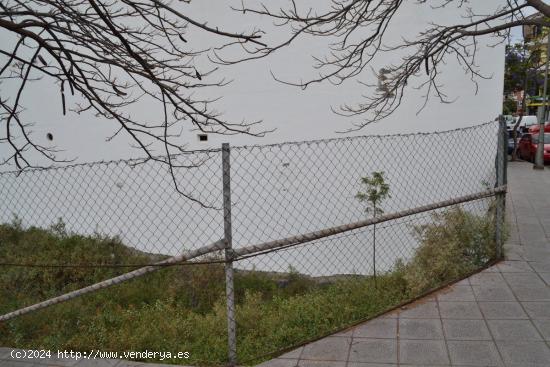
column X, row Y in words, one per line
column 109, row 55
column 358, row 30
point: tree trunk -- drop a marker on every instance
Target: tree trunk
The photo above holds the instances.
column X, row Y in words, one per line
column 518, row 122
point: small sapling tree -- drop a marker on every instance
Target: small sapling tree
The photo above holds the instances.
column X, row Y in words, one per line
column 376, row 190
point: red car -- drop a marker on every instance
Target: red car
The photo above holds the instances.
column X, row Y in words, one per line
column 527, row 146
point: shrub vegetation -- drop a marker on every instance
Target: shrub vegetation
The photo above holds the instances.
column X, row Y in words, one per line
column 182, row 308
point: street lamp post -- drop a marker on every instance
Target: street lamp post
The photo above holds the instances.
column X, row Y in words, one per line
column 539, row 156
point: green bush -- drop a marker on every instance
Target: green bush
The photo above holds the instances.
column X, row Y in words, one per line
column 455, row 244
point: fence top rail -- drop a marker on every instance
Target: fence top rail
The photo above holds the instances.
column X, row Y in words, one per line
column 371, row 136
column 143, row 160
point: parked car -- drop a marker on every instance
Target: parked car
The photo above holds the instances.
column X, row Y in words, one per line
column 526, row 122
column 527, row 146
column 535, row 128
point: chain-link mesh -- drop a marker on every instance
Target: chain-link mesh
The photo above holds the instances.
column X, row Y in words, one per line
column 277, row 190
column 282, row 297
column 287, row 189
column 134, row 201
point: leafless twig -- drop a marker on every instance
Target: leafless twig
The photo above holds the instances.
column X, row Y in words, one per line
column 103, row 56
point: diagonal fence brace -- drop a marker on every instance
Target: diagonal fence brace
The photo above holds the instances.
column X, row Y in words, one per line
column 327, row 232
column 216, row 246
column 253, row 249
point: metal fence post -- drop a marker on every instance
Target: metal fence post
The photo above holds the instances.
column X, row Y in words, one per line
column 501, row 168
column 374, row 252
column 229, row 285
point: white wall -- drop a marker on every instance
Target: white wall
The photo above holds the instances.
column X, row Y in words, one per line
column 277, row 191
column 296, row 114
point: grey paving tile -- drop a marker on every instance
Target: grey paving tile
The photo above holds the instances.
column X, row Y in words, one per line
column 279, row 363
column 543, row 327
column 512, row 245
column 373, row 350
column 532, row 229
column 363, row 364
column 525, row 354
column 514, row 253
column 420, row 329
column 520, row 280
column 305, row 363
column 486, row 278
column 459, row 310
column 531, row 225
column 537, row 310
column 426, row 352
column 330, row 348
column 456, row 293
column 540, row 267
column 514, row 239
column 292, row 354
column 424, row 310
column 535, row 243
column 466, row 330
column 132, row 364
column 346, row 333
column 493, row 293
column 377, row 328
column 531, row 238
column 532, row 293
column 514, row 267
column 13, row 363
column 463, row 282
column 545, row 277
column 502, row 310
column 97, row 363
column 536, row 254
column 391, row 315
column 39, row 362
column 514, row 330
column 5, row 351
column 527, row 218
column 67, row 361
column 474, row 353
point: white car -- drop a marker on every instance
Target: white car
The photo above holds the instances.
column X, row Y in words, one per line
column 527, row 121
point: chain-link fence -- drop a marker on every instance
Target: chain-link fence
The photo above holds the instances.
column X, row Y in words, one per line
column 303, row 255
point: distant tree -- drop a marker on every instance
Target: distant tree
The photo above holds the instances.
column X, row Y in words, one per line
column 509, row 106
column 522, row 73
column 521, row 64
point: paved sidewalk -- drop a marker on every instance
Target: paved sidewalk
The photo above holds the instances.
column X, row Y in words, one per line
column 499, row 317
